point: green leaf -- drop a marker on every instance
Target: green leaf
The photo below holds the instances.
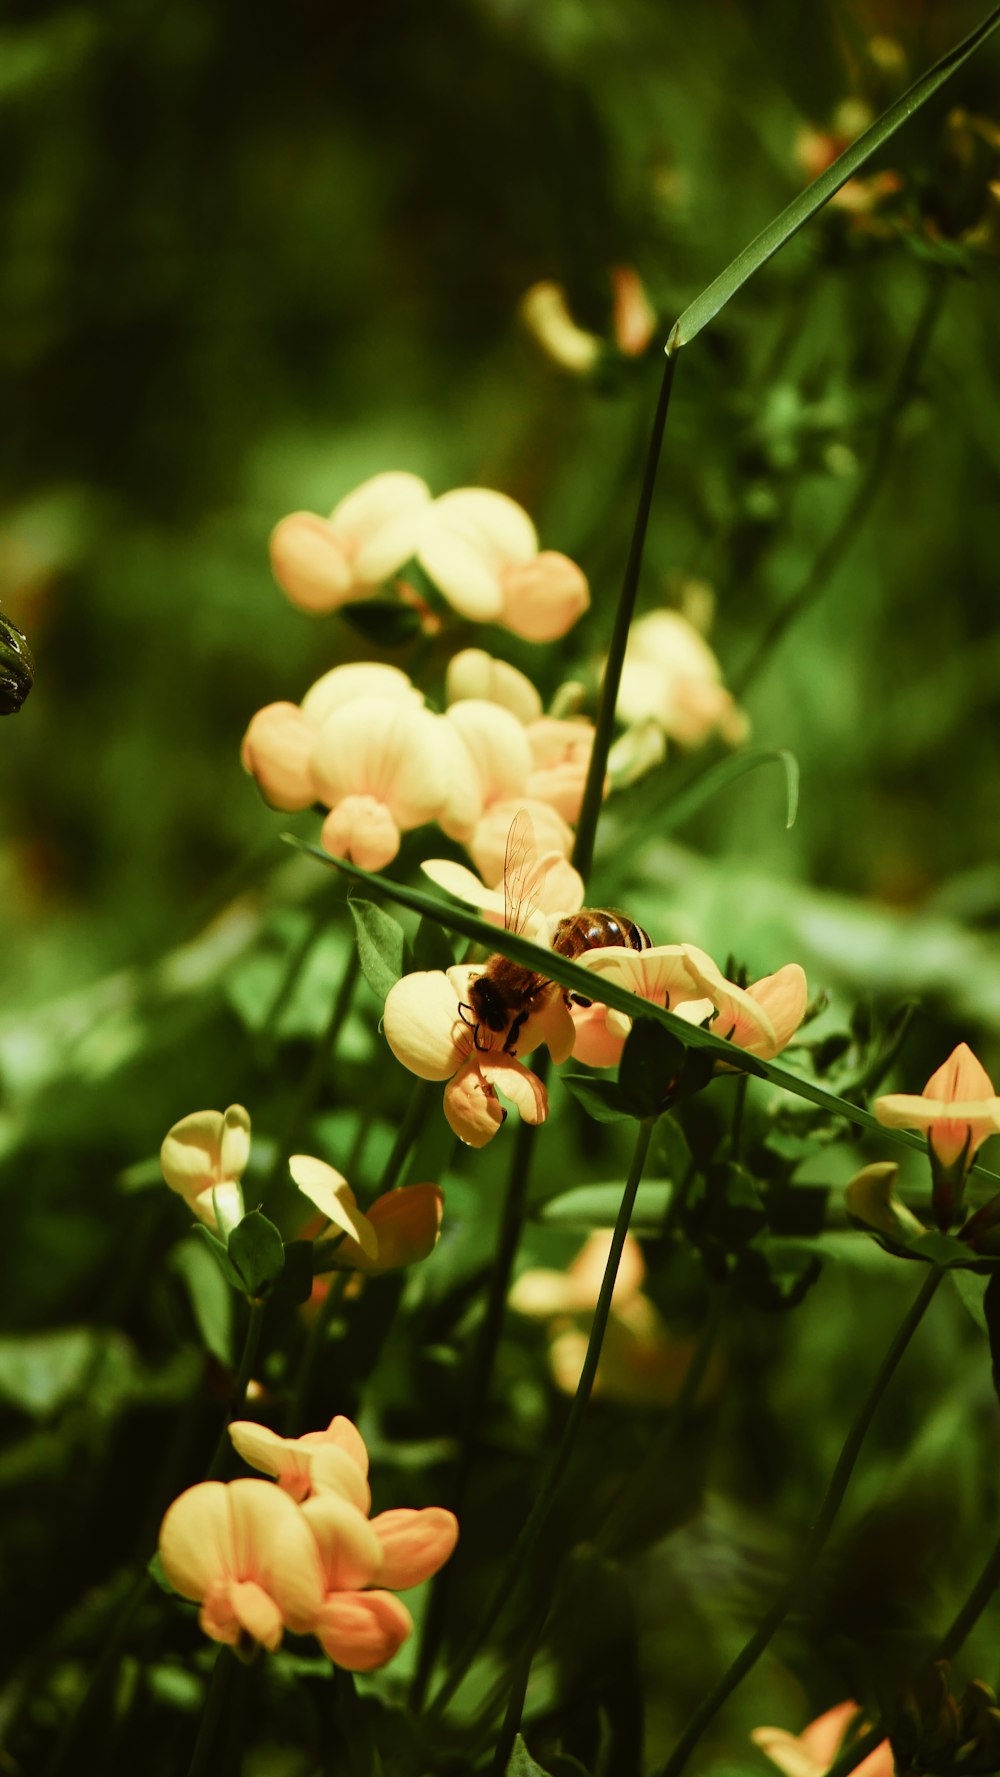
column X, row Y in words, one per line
column 651, row 1059
column 209, row 1294
column 220, row 1253
column 296, row 1280
column 597, row 1206
column 607, row 993
column 381, row 945
column 42, row 1372
column 154, row 1568
column 747, row 263
column 521, row 1763
column 431, row 949
column 256, row 1250
column 969, row 1288
column 601, row 1099
column 726, row 771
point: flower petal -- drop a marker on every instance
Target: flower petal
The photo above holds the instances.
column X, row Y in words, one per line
column 190, row 1153
column 366, row 509
column 310, row 563
column 234, row 1147
column 471, row 1106
column 463, row 574
column 363, row 1630
column 407, row 1222
column 517, row 1083
column 456, row 880
column 363, row 829
column 488, row 842
column 332, row 1194
column 357, row 679
column 420, row 1020
column 498, row 746
column 544, row 598
column 500, row 525
column 474, row 673
column 257, row 1614
column 349, row 1549
column 196, row 1540
column 277, row 750
column 414, row 1544
column 962, row 1077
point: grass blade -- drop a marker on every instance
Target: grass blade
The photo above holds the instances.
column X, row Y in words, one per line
column 705, row 307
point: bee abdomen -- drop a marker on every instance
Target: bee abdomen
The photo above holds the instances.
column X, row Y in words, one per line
column 598, row 928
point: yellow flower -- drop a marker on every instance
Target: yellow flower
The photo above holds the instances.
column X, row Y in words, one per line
column 203, row 1158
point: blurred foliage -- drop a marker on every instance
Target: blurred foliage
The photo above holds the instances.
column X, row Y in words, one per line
column 250, row 258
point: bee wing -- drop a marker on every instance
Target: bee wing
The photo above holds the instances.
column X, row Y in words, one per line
column 520, row 873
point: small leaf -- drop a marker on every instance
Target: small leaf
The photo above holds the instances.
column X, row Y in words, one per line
column 220, row 1254
column 969, row 1290
column 154, row 1568
column 601, row 1099
column 521, row 1763
column 597, row 1206
column 385, row 621
column 256, row 1250
column 381, row 945
column 431, row 949
column 296, row 1280
column 208, row 1292
column 651, row 1060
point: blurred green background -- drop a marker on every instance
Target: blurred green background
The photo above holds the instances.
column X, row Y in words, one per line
column 252, row 256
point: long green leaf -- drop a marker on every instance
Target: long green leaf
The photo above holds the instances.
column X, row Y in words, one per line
column 726, row 771
column 705, row 307
column 575, row 979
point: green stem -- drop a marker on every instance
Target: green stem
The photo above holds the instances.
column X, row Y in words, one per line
column 317, row 1069
column 736, row 1128
column 313, row 1351
column 641, row 1481
column 816, row 1541
column 219, row 1688
column 838, row 543
column 220, row 1455
column 586, row 829
column 477, row 1397
column 966, row 1620
column 414, row 1118
column 541, row 1510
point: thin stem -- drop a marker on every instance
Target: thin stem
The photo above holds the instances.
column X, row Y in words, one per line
column 219, row 1688
column 816, row 1541
column 541, row 1510
column 220, row 1455
column 481, row 1376
column 318, row 1066
column 313, row 1351
column 966, row 1620
column 838, row 543
column 414, row 1118
column 972, row 1609
column 736, row 1128
column 638, row 1484
column 583, row 849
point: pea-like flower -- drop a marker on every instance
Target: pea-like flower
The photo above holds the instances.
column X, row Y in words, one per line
column 958, row 1110
column 426, row 1030
column 221, row 1546
column 815, row 1750
column 278, row 745
column 322, row 563
column 472, row 673
column 480, row 548
column 672, row 677
column 302, row 1555
column 661, row 975
column 642, row 1361
column 762, row 1018
column 203, row 1158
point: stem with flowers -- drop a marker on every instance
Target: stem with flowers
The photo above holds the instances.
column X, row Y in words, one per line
column 747, row 1658
column 541, row 1510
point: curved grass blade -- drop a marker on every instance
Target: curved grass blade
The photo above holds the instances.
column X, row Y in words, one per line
column 456, row 918
column 740, row 270
column 726, row 771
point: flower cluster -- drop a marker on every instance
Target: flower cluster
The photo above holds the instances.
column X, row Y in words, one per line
column 364, row 745
column 479, row 548
column 431, row 1027
column 642, row 1362
column 302, row 1555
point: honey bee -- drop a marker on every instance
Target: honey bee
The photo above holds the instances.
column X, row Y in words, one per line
column 503, row 997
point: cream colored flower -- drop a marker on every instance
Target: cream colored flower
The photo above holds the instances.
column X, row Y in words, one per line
column 811, row 1753
column 203, row 1158
column 425, row 1028
column 672, row 677
column 473, row 673
column 480, row 548
column 379, row 765
column 762, row 1018
column 222, row 1546
column 332, row 1460
column 642, row 1361
column 958, row 1109
column 661, row 974
column 322, row 563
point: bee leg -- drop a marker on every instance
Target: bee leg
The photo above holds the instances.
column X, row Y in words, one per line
column 577, row 999
column 510, row 1046
column 471, row 1020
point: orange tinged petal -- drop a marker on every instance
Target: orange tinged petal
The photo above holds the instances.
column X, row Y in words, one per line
column 414, row 1544
column 363, row 1630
